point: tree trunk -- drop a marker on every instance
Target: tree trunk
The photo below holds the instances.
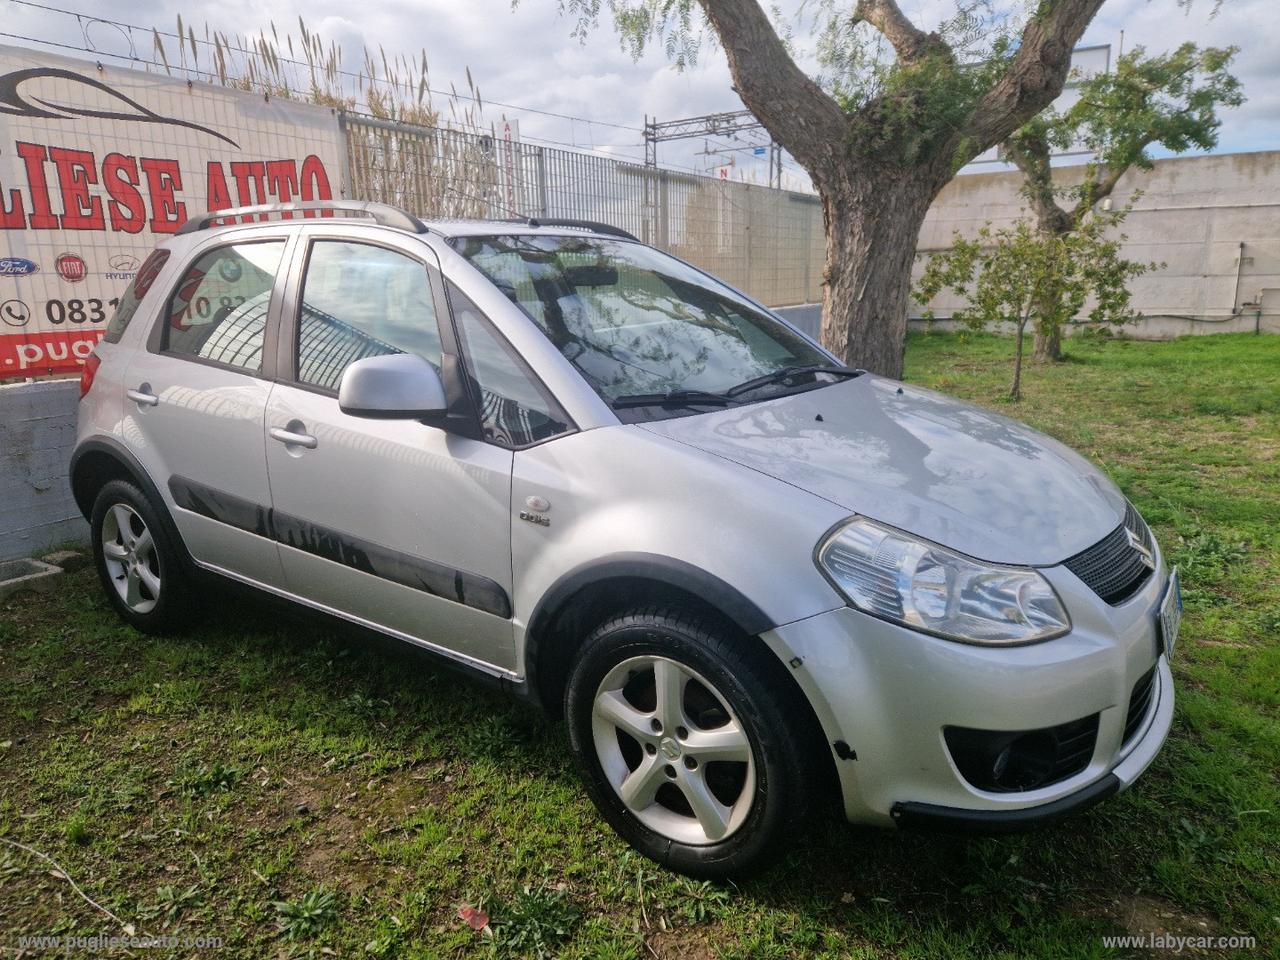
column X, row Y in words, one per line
column 1051, row 222
column 1015, row 393
column 872, row 224
column 874, row 203
column 1048, row 344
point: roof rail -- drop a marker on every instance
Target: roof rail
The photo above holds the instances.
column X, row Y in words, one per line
column 592, row 225
column 382, row 213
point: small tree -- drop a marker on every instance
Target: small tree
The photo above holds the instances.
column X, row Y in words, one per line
column 1172, row 100
column 1022, row 275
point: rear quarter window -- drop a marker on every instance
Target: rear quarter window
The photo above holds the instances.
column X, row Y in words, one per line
column 128, row 306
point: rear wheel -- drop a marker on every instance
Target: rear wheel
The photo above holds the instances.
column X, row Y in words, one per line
column 687, row 743
column 137, row 559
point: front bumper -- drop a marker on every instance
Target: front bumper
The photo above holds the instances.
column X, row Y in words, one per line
column 885, row 695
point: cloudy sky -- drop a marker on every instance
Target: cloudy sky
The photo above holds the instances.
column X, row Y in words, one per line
column 527, row 58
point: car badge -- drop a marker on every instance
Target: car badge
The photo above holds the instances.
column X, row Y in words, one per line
column 1143, row 551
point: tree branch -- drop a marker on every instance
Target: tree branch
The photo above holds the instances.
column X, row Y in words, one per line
column 1035, row 76
column 908, row 40
column 1092, row 193
column 794, row 109
column 1103, row 185
column 1030, row 154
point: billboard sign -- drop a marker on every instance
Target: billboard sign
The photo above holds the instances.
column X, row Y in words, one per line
column 98, row 164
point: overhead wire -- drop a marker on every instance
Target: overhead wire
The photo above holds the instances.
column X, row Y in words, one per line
column 197, row 72
column 122, row 24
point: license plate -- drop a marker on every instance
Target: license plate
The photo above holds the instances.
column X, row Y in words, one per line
column 1171, row 614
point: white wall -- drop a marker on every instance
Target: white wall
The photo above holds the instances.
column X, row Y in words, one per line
column 1192, row 215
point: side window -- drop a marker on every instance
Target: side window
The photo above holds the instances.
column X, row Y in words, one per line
column 515, row 410
column 219, row 310
column 128, row 306
column 361, row 301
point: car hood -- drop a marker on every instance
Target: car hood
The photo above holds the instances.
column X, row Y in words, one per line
column 944, row 470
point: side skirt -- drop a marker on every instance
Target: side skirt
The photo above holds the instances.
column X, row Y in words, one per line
column 487, row 673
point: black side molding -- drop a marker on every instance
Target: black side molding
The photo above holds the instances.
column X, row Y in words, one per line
column 418, row 573
column 940, row 819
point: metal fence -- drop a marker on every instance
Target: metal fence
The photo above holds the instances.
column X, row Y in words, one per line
column 767, row 242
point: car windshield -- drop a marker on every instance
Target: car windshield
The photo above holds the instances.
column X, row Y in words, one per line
column 638, row 323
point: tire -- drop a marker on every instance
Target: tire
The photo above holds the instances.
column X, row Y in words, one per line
column 138, row 560
column 708, row 818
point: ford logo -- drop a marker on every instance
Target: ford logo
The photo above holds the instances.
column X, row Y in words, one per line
column 17, row 267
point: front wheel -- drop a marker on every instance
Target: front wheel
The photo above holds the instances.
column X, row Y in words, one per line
column 689, row 745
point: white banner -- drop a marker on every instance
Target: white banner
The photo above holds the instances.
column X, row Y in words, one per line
column 97, row 163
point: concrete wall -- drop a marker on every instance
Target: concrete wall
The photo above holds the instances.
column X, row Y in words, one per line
column 1213, row 221
column 37, row 432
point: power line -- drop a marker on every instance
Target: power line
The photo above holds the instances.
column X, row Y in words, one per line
column 199, row 73
column 92, row 18
column 729, row 123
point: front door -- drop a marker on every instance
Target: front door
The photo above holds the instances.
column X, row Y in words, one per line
column 390, row 522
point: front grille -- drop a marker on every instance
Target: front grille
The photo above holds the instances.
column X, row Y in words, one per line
column 1112, row 568
column 1139, row 703
column 1013, row 761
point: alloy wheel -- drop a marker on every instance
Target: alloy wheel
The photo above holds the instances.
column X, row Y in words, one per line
column 130, row 554
column 673, row 750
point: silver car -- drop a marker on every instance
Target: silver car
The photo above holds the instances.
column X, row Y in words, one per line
column 750, row 579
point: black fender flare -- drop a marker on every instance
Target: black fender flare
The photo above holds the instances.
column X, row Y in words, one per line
column 110, row 447
column 116, row 451
column 734, row 605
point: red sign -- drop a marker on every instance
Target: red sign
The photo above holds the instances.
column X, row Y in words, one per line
column 31, row 354
column 82, row 204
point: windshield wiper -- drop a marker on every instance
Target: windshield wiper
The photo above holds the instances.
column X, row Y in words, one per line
column 786, row 373
column 681, row 398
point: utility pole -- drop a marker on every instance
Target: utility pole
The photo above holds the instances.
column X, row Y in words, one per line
column 728, row 124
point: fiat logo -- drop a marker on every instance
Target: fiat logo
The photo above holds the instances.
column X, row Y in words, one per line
column 70, row 267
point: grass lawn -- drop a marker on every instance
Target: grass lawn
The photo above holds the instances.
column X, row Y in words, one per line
column 276, row 782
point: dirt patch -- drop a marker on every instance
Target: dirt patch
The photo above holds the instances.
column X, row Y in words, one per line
column 681, row 944
column 1141, row 915
column 343, row 813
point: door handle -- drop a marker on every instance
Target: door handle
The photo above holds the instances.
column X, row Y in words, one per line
column 143, row 395
column 292, row 438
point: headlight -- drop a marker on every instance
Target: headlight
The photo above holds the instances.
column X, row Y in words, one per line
column 894, row 575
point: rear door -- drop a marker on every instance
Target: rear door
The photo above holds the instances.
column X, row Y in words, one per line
column 390, row 522
column 196, row 398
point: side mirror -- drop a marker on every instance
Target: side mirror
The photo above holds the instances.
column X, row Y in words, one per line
column 397, row 386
